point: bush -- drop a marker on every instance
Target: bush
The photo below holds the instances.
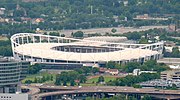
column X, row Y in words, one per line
column 28, row 81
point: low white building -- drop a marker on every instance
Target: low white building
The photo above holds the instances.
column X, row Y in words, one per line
column 112, row 71
column 6, row 96
column 139, row 72
column 2, row 11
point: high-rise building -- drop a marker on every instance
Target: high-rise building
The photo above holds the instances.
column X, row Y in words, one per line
column 11, row 73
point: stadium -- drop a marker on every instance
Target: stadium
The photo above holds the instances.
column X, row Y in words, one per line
column 39, row 48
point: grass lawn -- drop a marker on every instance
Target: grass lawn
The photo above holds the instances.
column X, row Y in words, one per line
column 106, row 78
column 39, row 75
column 90, row 82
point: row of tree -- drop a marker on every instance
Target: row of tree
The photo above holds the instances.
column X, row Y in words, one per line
column 79, row 14
column 70, row 77
column 150, row 65
column 34, row 69
column 78, row 76
column 131, row 80
column 5, row 48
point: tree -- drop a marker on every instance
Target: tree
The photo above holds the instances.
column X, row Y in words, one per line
column 133, row 36
column 69, row 77
column 72, row 83
column 86, row 70
column 110, row 64
column 175, row 52
column 131, row 66
column 137, row 86
column 143, row 41
column 95, row 70
column 131, row 80
column 51, row 78
column 100, row 79
column 147, row 97
column 28, row 81
column 79, row 70
column 150, row 63
column 5, row 48
column 33, row 69
column 35, row 80
column 174, row 87
column 64, row 83
column 72, row 75
column 54, row 33
column 82, row 78
column 78, row 34
column 114, row 30
column 62, row 35
column 58, row 81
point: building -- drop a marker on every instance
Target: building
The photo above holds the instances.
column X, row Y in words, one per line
column 26, row 19
column 40, row 48
column 6, row 96
column 2, row 11
column 147, row 17
column 169, row 44
column 37, row 20
column 172, row 28
column 109, row 71
column 136, row 72
column 113, row 71
column 174, row 66
column 11, row 73
column 139, row 72
column 169, row 61
column 170, row 75
column 125, row 3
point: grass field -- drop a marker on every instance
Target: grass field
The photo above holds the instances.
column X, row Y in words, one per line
column 39, row 75
column 91, row 81
column 106, row 78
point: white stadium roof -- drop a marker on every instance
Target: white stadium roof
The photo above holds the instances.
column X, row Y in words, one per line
column 32, row 48
column 43, row 50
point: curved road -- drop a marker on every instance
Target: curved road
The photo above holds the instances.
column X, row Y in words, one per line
column 106, row 89
column 32, row 89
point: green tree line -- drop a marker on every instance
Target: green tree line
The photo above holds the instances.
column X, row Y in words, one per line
column 150, row 65
column 73, row 77
column 131, row 80
column 5, row 48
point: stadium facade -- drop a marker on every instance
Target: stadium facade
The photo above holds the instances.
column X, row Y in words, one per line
column 53, row 49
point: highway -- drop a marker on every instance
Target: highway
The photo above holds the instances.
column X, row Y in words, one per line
column 32, row 89
column 60, row 90
column 169, row 60
column 120, row 30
